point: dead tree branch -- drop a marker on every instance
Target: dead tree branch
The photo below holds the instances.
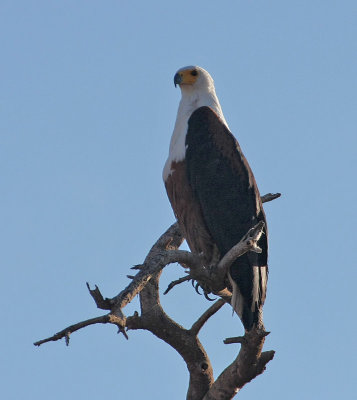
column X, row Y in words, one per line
column 177, row 282
column 247, row 243
column 249, row 363
column 196, row 327
column 104, row 319
column 100, row 301
column 270, row 197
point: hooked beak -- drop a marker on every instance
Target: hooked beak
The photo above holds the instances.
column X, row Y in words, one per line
column 177, row 79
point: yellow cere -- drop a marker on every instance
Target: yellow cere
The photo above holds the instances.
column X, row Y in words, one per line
column 189, row 76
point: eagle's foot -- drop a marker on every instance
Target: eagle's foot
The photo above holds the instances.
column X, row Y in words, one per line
column 205, row 288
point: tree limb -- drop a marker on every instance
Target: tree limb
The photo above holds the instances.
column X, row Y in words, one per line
column 247, row 243
column 270, row 197
column 177, row 282
column 100, row 301
column 250, row 362
column 104, row 319
column 196, row 327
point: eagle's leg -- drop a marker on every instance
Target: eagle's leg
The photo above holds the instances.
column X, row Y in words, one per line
column 211, row 264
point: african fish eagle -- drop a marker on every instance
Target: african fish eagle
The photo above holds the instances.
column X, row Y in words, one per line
column 213, row 192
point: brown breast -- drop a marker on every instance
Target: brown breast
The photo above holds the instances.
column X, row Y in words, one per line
column 188, row 212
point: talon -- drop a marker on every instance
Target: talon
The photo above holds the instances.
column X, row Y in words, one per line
column 207, row 297
column 196, row 288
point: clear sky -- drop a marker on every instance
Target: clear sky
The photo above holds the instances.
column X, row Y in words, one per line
column 87, row 107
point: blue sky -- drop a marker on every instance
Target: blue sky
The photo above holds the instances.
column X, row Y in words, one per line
column 87, row 107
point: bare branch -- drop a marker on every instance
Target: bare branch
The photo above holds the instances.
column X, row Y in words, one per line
column 264, row 358
column 185, row 259
column 247, row 243
column 157, row 258
column 171, row 239
column 137, row 266
column 269, row 197
column 237, row 339
column 103, row 304
column 177, row 282
column 134, row 322
column 185, row 342
column 196, row 327
column 249, row 363
column 242, row 339
column 104, row 319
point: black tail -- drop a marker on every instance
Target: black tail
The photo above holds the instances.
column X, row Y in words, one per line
column 249, row 286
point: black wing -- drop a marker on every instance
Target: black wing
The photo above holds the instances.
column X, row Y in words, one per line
column 223, row 182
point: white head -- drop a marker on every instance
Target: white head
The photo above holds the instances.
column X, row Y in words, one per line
column 197, row 89
column 194, row 79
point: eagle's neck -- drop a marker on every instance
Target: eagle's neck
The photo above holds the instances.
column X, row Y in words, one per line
column 190, row 101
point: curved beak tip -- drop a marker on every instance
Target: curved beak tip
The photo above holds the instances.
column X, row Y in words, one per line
column 177, row 79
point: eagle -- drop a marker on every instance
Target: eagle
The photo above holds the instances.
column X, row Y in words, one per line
column 213, row 192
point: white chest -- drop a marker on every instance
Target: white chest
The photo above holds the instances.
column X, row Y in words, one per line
column 187, row 106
